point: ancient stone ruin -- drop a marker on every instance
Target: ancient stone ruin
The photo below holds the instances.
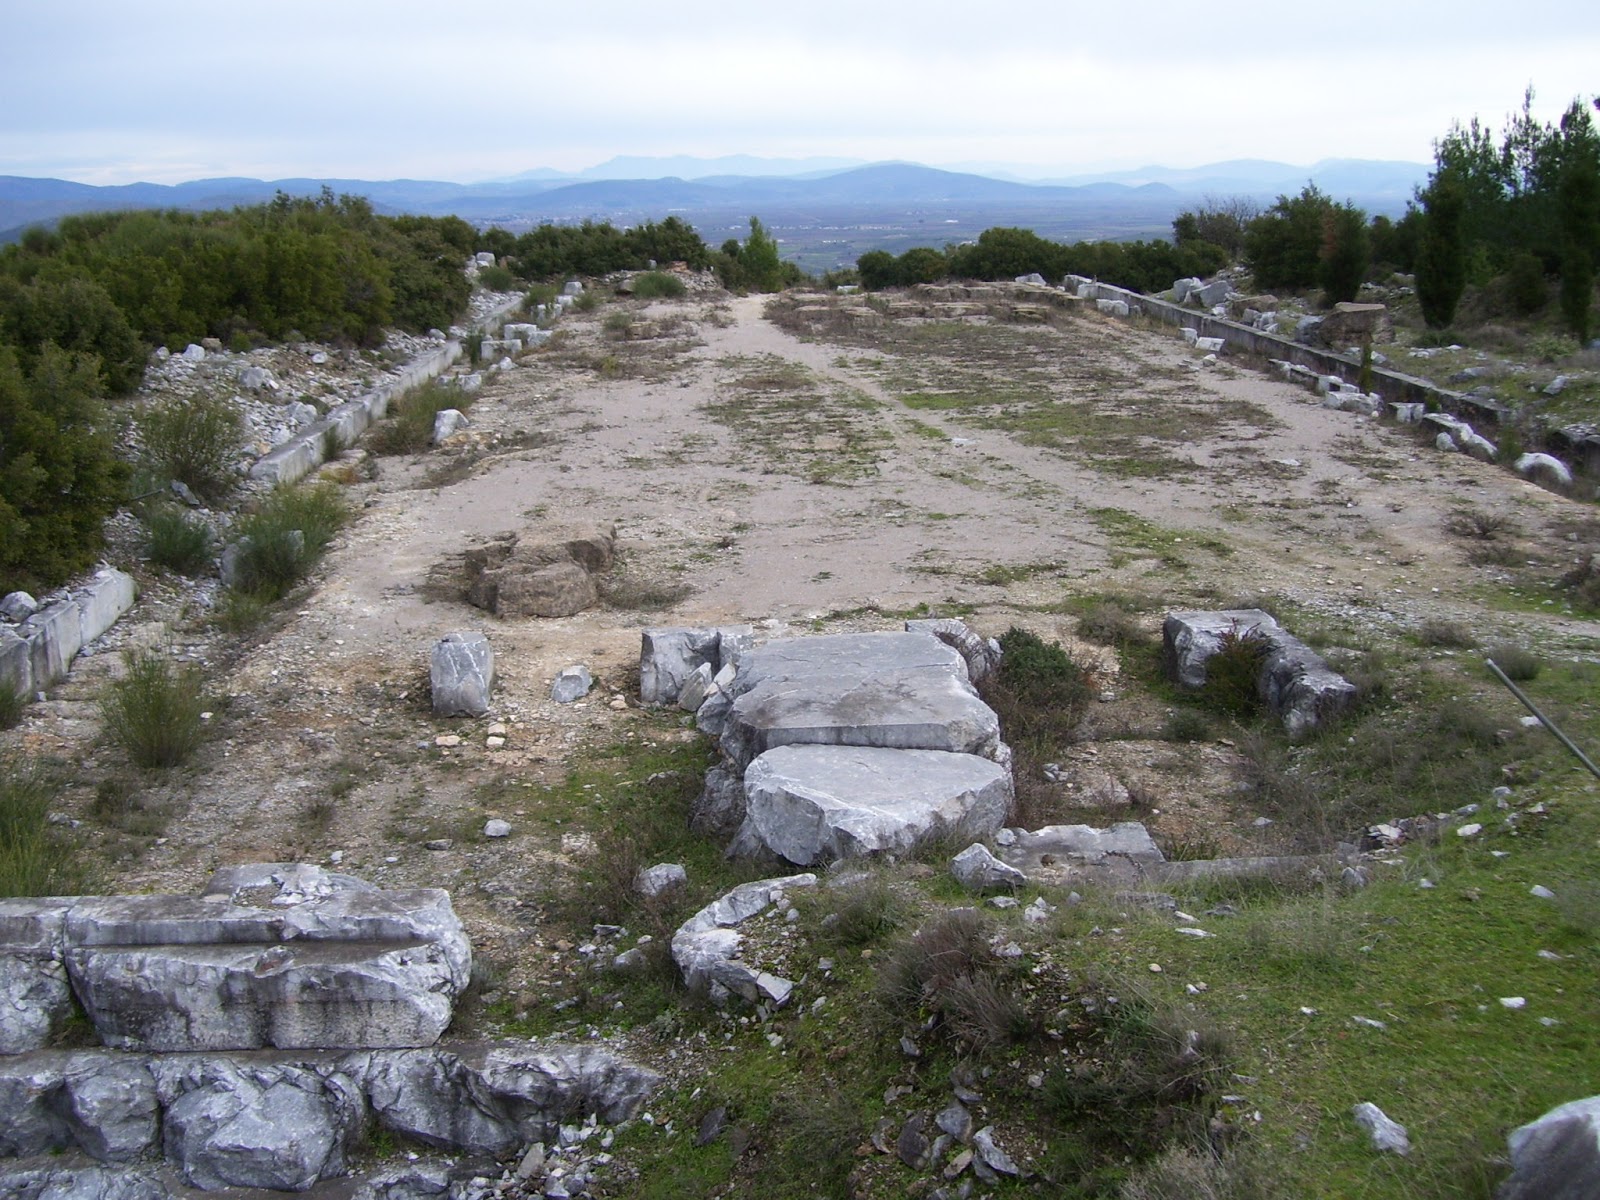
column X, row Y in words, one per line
column 554, row 574
column 1293, row 680
column 838, row 746
column 252, row 1035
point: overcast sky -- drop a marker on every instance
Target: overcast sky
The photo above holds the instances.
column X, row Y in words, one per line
column 113, row 91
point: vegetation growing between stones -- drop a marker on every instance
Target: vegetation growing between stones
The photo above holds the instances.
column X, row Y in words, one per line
column 153, row 710
column 34, row 861
column 178, row 541
column 284, row 538
column 408, row 426
column 196, row 441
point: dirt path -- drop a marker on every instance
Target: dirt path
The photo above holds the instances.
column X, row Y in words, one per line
column 778, row 479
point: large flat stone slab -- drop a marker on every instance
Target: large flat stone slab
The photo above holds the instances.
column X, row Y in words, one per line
column 813, row 804
column 901, row 691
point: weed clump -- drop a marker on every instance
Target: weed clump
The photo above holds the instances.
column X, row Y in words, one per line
column 195, row 441
column 1233, row 672
column 948, row 971
column 283, row 539
column 1519, row 663
column 1109, row 624
column 409, row 426
column 178, row 541
column 153, row 711
column 33, row 859
column 1583, row 584
column 658, row 285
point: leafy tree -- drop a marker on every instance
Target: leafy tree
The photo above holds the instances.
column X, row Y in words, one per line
column 1442, row 252
column 877, row 269
column 1284, row 244
column 73, row 312
column 1578, row 196
column 921, row 264
column 1342, row 258
column 1220, row 220
column 759, row 261
column 59, row 474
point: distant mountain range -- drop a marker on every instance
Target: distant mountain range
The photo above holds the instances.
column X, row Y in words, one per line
column 719, row 193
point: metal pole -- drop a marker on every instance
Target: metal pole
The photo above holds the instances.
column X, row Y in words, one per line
column 1543, row 720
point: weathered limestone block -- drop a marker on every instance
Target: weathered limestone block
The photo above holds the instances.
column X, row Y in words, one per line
column 106, row 596
column 1126, row 842
column 813, row 804
column 35, row 997
column 54, row 635
column 1546, row 469
column 16, row 663
column 111, row 1105
column 545, row 575
column 1295, row 682
column 667, row 657
column 275, row 1126
column 1556, row 1157
column 461, row 673
column 902, row 691
column 719, row 811
column 706, row 946
column 976, row 868
column 497, row 1099
column 982, row 655
column 446, row 422
column 348, row 969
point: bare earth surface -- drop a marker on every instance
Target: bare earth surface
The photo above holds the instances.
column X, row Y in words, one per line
column 766, row 477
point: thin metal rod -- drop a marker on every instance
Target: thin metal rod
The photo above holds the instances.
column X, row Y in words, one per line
column 1543, row 720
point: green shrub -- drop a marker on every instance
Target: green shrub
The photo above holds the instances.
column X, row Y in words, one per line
column 587, row 300
column 178, row 541
column 34, row 861
column 658, row 285
column 1447, row 634
column 1186, row 725
column 1233, row 672
column 497, row 279
column 153, row 711
column 1519, row 663
column 283, row 539
column 1109, row 624
column 408, row 428
column 196, row 441
column 60, row 477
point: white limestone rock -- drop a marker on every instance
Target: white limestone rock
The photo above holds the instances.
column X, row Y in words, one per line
column 976, row 869
column 812, row 804
column 462, row 675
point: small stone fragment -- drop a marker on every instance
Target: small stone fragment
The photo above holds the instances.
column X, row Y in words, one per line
column 1388, row 1136
column 496, row 828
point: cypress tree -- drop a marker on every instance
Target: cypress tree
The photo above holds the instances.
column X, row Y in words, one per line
column 1442, row 254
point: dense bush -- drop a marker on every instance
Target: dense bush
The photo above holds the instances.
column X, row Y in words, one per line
column 1003, row 253
column 59, row 474
column 285, row 537
column 658, row 285
column 560, row 251
column 196, row 441
column 1309, row 241
column 178, row 541
column 153, row 711
column 328, row 267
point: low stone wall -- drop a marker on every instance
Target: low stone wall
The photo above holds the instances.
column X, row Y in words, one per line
column 1391, row 385
column 38, row 652
column 293, row 460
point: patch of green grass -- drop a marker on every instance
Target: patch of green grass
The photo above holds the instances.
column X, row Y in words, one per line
column 1005, row 574
column 1133, row 537
column 35, row 860
column 658, row 285
column 820, row 431
column 196, row 441
column 408, row 426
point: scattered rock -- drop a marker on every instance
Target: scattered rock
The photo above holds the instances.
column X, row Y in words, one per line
column 977, row 869
column 462, row 675
column 1387, row 1135
column 571, row 685
column 663, row 877
column 496, row 828
column 1556, row 1157
column 552, row 575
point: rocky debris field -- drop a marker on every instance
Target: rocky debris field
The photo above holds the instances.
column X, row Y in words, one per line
column 809, row 464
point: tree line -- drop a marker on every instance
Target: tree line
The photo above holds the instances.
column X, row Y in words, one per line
column 1507, row 216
